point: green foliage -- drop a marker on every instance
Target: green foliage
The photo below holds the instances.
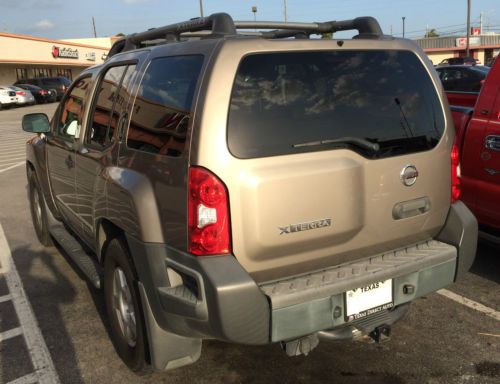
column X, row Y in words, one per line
column 432, row 33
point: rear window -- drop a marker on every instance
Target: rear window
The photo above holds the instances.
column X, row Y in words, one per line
column 377, row 103
column 51, row 83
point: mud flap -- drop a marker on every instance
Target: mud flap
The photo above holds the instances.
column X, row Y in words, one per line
column 167, row 350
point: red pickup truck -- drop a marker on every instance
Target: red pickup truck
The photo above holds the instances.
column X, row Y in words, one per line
column 478, row 142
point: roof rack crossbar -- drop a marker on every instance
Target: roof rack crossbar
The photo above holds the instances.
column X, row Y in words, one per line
column 219, row 23
column 366, row 27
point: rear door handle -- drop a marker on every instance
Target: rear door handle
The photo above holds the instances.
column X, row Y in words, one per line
column 492, row 142
column 69, row 162
column 484, row 112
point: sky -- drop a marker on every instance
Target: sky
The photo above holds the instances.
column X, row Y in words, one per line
column 66, row 19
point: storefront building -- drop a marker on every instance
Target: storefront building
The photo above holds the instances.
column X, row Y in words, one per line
column 23, row 57
column 482, row 47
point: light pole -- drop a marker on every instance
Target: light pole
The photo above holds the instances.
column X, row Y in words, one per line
column 404, row 17
column 468, row 29
column 254, row 10
column 201, row 8
column 285, row 11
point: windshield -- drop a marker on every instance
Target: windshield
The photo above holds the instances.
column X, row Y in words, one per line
column 280, row 100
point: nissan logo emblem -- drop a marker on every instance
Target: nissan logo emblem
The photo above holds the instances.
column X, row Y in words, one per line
column 409, row 175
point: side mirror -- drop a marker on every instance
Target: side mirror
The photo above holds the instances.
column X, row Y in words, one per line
column 482, row 82
column 36, row 123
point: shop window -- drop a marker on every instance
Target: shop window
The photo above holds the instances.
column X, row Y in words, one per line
column 42, row 72
column 65, row 72
column 21, row 73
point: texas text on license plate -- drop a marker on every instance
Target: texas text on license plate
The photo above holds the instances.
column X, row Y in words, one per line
column 367, row 300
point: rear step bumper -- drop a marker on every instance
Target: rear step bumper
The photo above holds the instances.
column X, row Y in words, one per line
column 214, row 297
column 318, row 299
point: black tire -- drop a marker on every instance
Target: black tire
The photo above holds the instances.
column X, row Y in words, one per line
column 38, row 211
column 133, row 355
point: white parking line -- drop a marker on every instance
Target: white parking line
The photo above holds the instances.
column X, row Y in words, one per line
column 470, row 303
column 12, row 166
column 40, row 356
column 32, row 378
column 5, row 298
column 10, row 334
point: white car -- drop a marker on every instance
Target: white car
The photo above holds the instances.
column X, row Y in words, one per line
column 24, row 97
column 8, row 97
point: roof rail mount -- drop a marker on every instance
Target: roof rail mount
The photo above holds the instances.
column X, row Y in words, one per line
column 221, row 24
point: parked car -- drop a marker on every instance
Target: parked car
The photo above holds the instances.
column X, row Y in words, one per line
column 256, row 189
column 24, row 97
column 459, row 61
column 60, row 84
column 478, row 138
column 8, row 97
column 462, row 83
column 42, row 96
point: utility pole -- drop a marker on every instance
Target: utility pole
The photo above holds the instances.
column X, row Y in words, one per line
column 467, row 51
column 404, row 17
column 284, row 9
column 93, row 23
column 481, row 23
column 201, row 8
column 391, row 29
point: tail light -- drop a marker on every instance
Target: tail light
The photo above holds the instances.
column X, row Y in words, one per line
column 456, row 182
column 20, row 93
column 208, row 214
column 43, row 92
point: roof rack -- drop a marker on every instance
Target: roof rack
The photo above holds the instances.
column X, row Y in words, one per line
column 221, row 24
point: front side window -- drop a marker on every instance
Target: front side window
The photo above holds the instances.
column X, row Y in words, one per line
column 377, row 103
column 72, row 110
column 162, row 109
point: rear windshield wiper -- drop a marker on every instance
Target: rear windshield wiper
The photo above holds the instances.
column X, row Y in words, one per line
column 356, row 141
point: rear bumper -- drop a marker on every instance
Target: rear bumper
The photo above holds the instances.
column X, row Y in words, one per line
column 214, row 297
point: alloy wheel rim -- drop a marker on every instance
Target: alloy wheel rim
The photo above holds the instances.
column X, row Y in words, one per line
column 37, row 208
column 124, row 307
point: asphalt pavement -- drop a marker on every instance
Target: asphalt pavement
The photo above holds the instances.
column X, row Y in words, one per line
column 440, row 340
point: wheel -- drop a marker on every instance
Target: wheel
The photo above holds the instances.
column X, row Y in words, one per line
column 124, row 308
column 38, row 211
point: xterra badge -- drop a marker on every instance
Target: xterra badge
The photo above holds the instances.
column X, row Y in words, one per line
column 305, row 226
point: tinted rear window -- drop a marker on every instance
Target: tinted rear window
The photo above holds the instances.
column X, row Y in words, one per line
column 291, row 102
column 52, row 82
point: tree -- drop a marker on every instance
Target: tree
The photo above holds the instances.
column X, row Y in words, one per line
column 432, row 33
column 327, row 35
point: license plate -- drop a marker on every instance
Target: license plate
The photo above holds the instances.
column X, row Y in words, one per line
column 367, row 300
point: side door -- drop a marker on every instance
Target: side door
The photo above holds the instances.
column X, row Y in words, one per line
column 488, row 199
column 61, row 144
column 99, row 145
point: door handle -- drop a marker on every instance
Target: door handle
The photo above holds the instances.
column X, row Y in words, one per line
column 492, row 142
column 69, row 162
column 484, row 112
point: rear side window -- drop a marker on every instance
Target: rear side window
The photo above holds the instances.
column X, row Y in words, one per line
column 103, row 121
column 162, row 108
column 51, row 83
column 377, row 103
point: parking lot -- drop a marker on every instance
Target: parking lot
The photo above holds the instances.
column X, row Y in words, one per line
column 53, row 325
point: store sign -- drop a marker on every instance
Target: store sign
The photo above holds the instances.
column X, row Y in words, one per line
column 475, row 31
column 64, row 53
column 90, row 56
column 461, row 42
